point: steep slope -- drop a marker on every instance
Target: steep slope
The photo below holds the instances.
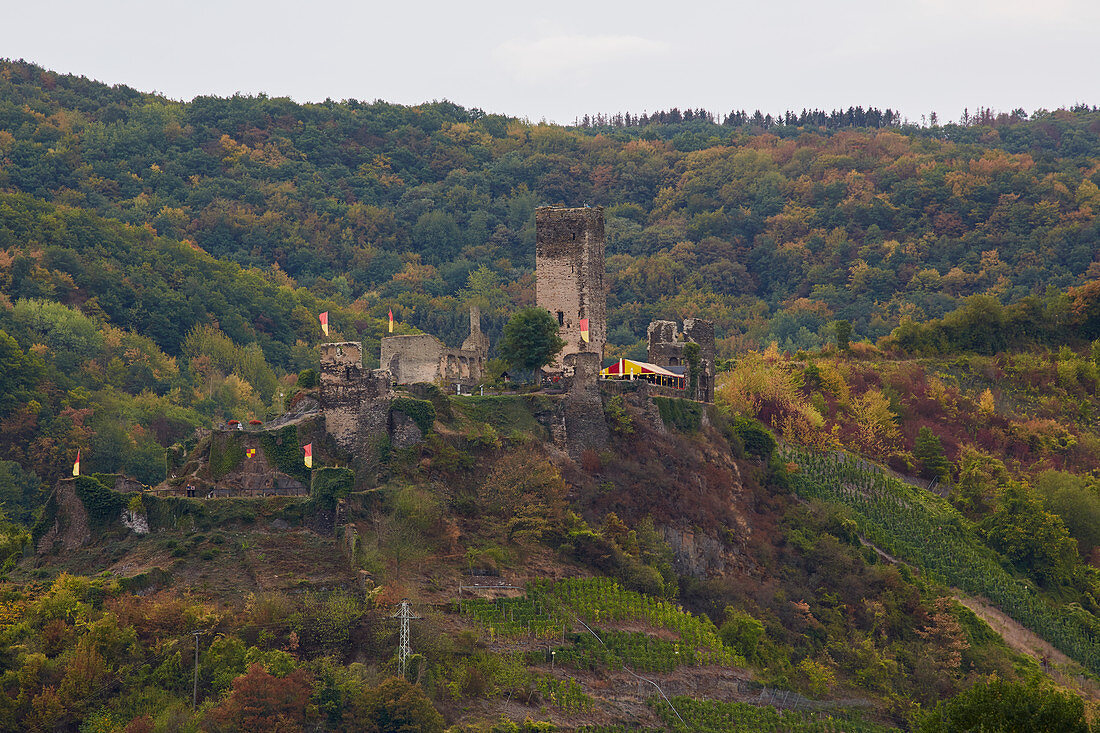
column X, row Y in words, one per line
column 535, row 599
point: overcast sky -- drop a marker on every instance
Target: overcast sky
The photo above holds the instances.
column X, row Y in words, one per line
column 558, row 61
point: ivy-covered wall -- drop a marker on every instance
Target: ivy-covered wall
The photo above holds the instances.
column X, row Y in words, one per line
column 226, row 454
column 283, row 450
column 103, row 505
column 422, row 412
column 331, row 485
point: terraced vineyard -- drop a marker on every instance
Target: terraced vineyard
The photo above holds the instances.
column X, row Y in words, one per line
column 711, row 716
column 923, row 529
column 549, row 608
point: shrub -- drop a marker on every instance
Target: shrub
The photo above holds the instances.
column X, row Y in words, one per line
column 421, row 412
column 998, row 705
column 308, row 379
column 757, row 439
column 618, row 419
column 394, row 705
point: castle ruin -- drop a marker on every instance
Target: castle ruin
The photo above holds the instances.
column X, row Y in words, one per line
column 424, row 358
column 569, row 269
column 355, row 401
column 667, row 347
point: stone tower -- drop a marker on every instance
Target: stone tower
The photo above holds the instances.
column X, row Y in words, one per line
column 569, row 250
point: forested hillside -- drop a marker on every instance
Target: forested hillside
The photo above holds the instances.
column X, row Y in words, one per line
column 768, row 228
column 908, row 322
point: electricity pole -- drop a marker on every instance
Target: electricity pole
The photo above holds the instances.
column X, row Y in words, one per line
column 195, row 689
column 404, row 614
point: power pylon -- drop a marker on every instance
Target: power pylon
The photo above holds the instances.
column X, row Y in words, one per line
column 404, row 614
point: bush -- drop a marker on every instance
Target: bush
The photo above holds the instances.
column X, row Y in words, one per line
column 998, row 705
column 422, row 412
column 742, row 632
column 618, row 419
column 757, row 439
column 394, row 705
column 308, row 379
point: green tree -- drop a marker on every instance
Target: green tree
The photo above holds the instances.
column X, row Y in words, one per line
column 21, row 492
column 1076, row 504
column 843, row 330
column 530, row 339
column 1031, row 537
column 394, row 705
column 998, row 706
column 929, row 451
column 19, row 374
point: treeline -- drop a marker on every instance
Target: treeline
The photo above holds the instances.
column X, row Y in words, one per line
column 982, row 325
column 835, row 120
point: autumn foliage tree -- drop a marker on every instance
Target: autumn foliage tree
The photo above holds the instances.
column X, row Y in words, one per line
column 394, row 706
column 263, row 703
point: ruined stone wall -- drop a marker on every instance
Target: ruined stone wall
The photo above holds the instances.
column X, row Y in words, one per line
column 585, row 423
column 666, row 349
column 424, row 358
column 355, row 401
column 569, row 266
column 702, row 332
column 477, row 341
column 412, row 359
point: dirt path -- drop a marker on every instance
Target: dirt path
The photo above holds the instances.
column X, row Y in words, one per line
column 1061, row 668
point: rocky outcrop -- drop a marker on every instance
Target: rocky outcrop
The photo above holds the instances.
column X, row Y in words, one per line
column 700, row 555
column 69, row 529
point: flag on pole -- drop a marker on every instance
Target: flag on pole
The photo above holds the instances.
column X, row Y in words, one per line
column 324, row 322
column 391, row 320
column 76, row 465
column 584, row 330
column 308, row 448
column 250, row 452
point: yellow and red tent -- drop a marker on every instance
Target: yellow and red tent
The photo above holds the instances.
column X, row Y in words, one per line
column 632, row 369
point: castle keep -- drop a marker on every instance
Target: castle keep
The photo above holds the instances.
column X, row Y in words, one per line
column 569, row 269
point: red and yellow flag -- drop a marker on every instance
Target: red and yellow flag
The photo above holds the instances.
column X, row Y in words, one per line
column 76, row 465
column 250, row 452
column 324, row 322
column 391, row 320
column 308, row 448
column 584, row 330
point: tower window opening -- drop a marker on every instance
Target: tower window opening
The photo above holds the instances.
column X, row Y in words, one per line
column 574, row 236
column 561, row 318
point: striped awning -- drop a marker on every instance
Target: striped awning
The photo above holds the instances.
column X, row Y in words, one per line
column 628, row 367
